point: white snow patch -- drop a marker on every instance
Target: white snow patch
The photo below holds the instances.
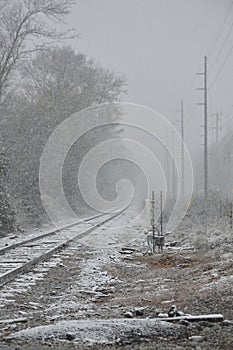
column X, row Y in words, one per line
column 95, row 331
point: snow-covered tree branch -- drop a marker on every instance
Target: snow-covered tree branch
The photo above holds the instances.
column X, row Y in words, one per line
column 21, row 24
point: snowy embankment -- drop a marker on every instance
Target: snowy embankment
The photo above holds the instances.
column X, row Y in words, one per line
column 101, row 331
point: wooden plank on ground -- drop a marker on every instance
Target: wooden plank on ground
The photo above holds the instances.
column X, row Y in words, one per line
column 191, row 318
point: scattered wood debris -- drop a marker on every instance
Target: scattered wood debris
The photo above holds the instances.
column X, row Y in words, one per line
column 14, row 320
column 175, row 315
column 191, row 318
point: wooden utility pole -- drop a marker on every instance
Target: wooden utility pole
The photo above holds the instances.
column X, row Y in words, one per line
column 205, row 131
column 168, row 173
column 161, row 214
column 217, row 127
column 153, row 218
column 173, row 166
column 182, row 148
column 205, row 128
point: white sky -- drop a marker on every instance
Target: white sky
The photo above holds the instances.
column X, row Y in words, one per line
column 159, row 46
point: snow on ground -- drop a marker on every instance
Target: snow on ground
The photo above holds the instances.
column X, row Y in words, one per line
column 91, row 282
column 99, row 331
column 99, row 239
column 16, row 238
column 115, row 234
column 23, row 283
column 92, row 279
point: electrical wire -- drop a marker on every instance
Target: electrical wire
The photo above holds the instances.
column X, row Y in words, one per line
column 221, row 68
column 193, row 96
column 221, row 48
column 221, row 29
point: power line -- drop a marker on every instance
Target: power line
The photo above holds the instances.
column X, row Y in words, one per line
column 193, row 95
column 221, row 29
column 219, row 52
column 221, row 68
column 211, row 50
column 221, row 48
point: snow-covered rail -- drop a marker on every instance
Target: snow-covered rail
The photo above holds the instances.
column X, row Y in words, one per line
column 21, row 256
column 34, row 237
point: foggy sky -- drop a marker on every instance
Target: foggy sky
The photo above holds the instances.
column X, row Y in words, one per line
column 158, row 45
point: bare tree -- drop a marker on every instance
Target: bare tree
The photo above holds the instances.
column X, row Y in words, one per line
column 23, row 22
column 56, row 83
column 60, row 77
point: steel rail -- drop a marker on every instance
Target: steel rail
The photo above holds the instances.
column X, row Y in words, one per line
column 11, row 274
column 47, row 234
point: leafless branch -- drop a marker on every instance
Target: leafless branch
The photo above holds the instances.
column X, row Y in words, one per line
column 21, row 24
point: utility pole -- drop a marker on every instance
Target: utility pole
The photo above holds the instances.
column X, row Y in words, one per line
column 153, row 218
column 173, row 166
column 161, row 213
column 182, row 148
column 217, row 120
column 216, row 127
column 205, row 128
column 168, row 173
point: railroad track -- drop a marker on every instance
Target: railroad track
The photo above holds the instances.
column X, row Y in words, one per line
column 20, row 257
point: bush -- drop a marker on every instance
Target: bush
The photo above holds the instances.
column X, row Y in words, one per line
column 7, row 214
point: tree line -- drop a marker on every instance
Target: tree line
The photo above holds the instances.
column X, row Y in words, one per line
column 42, row 82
